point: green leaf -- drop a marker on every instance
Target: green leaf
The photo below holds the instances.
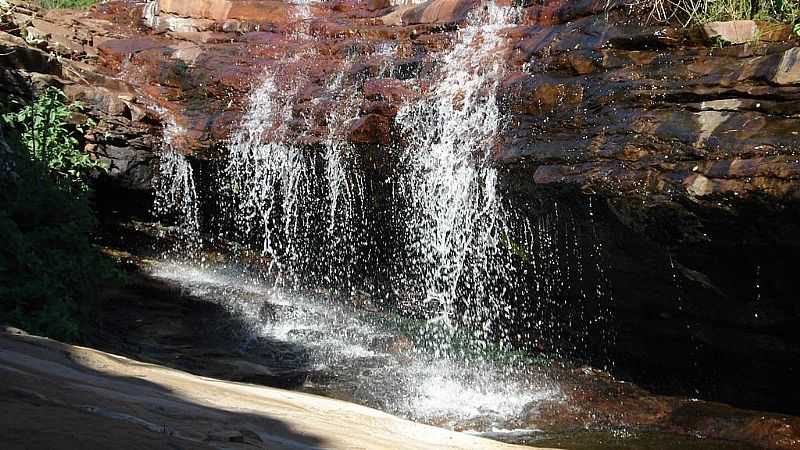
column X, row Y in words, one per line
column 45, row 131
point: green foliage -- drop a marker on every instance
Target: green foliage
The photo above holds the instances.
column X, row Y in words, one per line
column 45, row 131
column 66, row 4
column 516, row 249
column 49, row 270
column 704, row 11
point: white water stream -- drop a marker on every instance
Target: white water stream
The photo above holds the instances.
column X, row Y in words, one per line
column 175, row 191
column 304, row 207
column 454, row 217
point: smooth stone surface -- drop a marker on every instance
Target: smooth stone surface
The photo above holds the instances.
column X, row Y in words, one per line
column 65, row 395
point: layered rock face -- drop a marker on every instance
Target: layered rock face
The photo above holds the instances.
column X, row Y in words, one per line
column 673, row 152
column 687, row 154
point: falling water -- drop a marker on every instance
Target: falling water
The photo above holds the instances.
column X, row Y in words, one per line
column 456, row 222
column 270, row 179
column 387, row 52
column 175, row 192
column 345, row 190
column 303, row 204
column 302, row 14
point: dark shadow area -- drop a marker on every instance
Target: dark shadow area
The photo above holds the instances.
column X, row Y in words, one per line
column 701, row 302
column 156, row 321
column 114, row 202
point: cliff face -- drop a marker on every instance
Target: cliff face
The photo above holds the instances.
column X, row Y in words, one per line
column 689, row 154
column 673, row 152
column 593, row 97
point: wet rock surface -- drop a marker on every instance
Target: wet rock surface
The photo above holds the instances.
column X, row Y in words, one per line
column 156, row 322
column 593, row 98
column 596, row 100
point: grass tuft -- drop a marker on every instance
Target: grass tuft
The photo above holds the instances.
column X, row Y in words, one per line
column 692, row 12
column 66, row 4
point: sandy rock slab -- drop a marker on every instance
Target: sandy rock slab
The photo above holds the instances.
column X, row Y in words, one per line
column 61, row 396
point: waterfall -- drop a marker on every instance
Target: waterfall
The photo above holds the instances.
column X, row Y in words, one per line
column 303, row 203
column 175, row 192
column 458, row 254
column 387, row 52
column 302, row 15
column 270, row 179
column 345, row 190
column 307, row 204
column 456, row 225
column 150, row 14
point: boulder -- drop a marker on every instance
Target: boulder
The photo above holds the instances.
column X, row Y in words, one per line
column 430, row 12
column 733, row 32
column 788, row 70
column 747, row 31
column 216, row 10
column 219, row 11
column 370, row 129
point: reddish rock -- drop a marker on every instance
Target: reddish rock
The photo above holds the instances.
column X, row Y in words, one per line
column 747, row 31
column 370, row 129
column 733, row 32
column 722, row 421
column 114, row 52
column 431, row 12
column 619, row 78
column 204, row 37
column 530, row 95
column 389, row 90
column 208, row 9
column 262, row 37
column 109, row 102
column 227, row 15
column 582, row 65
column 380, row 108
column 259, row 11
column 440, row 11
column 374, row 5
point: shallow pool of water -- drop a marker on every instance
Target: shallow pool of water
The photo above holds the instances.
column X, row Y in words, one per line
column 367, row 356
column 356, row 357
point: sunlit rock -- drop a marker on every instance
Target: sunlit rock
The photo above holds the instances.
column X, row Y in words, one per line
column 788, row 71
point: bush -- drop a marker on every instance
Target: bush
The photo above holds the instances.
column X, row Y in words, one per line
column 46, row 132
column 704, row 11
column 49, row 270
